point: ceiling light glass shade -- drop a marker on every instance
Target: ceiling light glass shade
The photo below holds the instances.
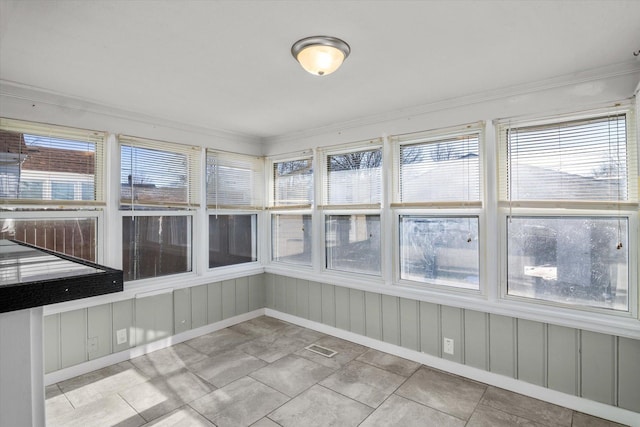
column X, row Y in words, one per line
column 320, row 55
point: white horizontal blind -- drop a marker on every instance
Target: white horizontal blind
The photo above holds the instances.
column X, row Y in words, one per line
column 590, row 159
column 234, row 180
column 293, row 182
column 46, row 164
column 354, row 178
column 158, row 174
column 440, row 170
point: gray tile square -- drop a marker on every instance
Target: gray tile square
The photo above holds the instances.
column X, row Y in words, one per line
column 259, row 326
column 398, row 411
column 218, row 342
column 56, row 403
column 485, row 416
column 272, row 347
column 447, row 393
column 265, row 422
column 242, row 402
column 167, row 360
column 389, row 362
column 527, row 407
column 308, row 336
column 221, row 369
column 162, row 395
column 292, row 374
column 185, row 416
column 364, row 383
column 320, row 406
column 95, row 385
column 347, row 351
column 108, row 411
column 584, row 420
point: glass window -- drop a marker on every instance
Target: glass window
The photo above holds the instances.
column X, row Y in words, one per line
column 291, row 238
column 234, row 180
column 71, row 236
column 154, row 246
column 293, row 182
column 352, row 243
column 440, row 170
column 574, row 160
column 62, row 190
column 232, row 239
column 32, row 190
column 569, row 260
column 354, row 178
column 441, row 251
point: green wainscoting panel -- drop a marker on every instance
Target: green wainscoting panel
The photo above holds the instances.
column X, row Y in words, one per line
column 598, row 367
column 328, row 304
column 242, row 295
column 391, row 319
column 476, row 339
column 409, row 324
column 214, row 302
column 228, row 298
column 342, row 308
column 181, row 310
column 280, row 293
column 291, row 295
column 315, row 302
column 51, row 333
column 356, row 312
column 629, row 374
column 430, row 341
column 373, row 315
column 302, row 298
column 123, row 318
column 563, row 359
column 257, row 294
column 198, row 306
column 73, row 337
column 452, row 327
column 99, row 331
column 502, row 345
column 154, row 318
column 532, row 352
column 269, row 288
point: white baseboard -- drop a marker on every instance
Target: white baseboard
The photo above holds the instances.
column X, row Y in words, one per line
column 576, row 403
column 111, row 359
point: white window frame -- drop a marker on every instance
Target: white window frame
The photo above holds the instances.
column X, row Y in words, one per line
column 571, row 208
column 441, row 209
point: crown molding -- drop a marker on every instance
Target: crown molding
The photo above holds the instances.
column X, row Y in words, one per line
column 11, row 89
column 608, row 72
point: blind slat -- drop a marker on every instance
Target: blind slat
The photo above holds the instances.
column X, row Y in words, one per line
column 293, row 182
column 234, row 180
column 354, row 178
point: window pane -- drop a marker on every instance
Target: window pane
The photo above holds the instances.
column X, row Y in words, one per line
column 293, row 182
column 154, row 246
column 291, row 238
column 234, row 180
column 354, row 178
column 440, row 170
column 154, row 177
column 232, row 239
column 442, row 251
column 70, row 236
column 353, row 243
column 578, row 160
column 29, row 163
column 570, row 260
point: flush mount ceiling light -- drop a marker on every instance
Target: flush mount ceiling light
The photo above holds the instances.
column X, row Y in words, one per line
column 320, row 55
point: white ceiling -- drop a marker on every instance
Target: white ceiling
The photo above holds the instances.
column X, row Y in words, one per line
column 227, row 65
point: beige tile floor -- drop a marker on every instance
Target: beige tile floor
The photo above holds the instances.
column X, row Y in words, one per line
column 259, row 373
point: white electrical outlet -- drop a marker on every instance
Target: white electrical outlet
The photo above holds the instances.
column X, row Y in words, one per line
column 448, row 346
column 121, row 336
column 92, row 344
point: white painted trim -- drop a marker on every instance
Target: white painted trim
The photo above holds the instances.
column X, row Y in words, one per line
column 555, row 397
column 111, row 359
